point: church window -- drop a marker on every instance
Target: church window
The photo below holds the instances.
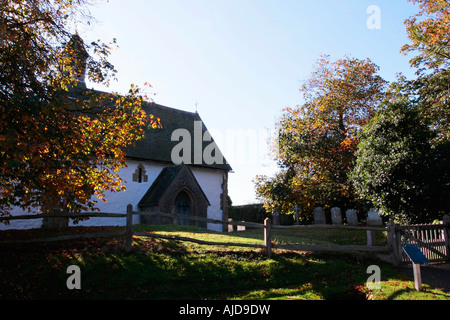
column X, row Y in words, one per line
column 139, row 175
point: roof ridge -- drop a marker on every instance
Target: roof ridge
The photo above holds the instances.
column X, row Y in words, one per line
column 171, row 108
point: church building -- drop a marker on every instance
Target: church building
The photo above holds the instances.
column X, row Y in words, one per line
column 155, row 183
column 175, row 168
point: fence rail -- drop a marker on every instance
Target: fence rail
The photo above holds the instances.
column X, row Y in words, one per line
column 178, row 217
column 267, row 226
column 65, row 215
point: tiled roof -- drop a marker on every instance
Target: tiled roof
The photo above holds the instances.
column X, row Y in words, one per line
column 157, row 145
column 159, row 186
column 166, row 177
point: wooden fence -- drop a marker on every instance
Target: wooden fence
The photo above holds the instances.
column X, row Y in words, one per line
column 267, row 227
column 268, row 243
column 432, row 239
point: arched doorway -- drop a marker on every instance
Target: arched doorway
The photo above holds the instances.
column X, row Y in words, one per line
column 175, row 190
column 182, row 206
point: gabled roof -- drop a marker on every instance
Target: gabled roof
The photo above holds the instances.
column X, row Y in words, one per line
column 164, row 182
column 159, row 186
column 157, row 145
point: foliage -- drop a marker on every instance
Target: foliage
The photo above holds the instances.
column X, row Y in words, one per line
column 403, row 156
column 429, row 32
column 249, row 212
column 317, row 140
column 399, row 169
column 61, row 143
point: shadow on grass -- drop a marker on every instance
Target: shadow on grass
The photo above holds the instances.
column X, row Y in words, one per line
column 161, row 269
column 164, row 269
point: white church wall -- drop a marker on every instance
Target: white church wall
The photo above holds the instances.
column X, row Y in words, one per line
column 211, row 183
column 116, row 202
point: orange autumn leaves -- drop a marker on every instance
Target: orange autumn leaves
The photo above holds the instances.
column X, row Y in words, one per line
column 318, row 139
column 429, row 32
column 60, row 143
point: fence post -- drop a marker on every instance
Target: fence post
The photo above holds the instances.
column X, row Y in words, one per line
column 371, row 238
column 446, row 223
column 267, row 236
column 175, row 219
column 394, row 243
column 129, row 228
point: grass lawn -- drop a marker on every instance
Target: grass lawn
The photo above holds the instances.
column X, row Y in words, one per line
column 169, row 269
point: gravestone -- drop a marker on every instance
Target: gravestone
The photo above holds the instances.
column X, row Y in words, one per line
column 276, row 218
column 352, row 218
column 373, row 218
column 296, row 209
column 319, row 216
column 336, row 216
column 230, row 226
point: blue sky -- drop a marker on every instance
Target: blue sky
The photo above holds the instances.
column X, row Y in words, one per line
column 239, row 63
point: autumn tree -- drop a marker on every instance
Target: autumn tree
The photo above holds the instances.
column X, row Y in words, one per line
column 429, row 35
column 429, row 32
column 317, row 140
column 404, row 152
column 60, row 143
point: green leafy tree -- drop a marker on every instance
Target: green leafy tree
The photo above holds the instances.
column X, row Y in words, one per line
column 398, row 168
column 402, row 159
column 60, row 143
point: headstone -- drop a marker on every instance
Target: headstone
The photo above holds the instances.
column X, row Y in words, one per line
column 373, row 218
column 319, row 216
column 352, row 218
column 296, row 209
column 230, row 226
column 336, row 217
column 276, row 218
